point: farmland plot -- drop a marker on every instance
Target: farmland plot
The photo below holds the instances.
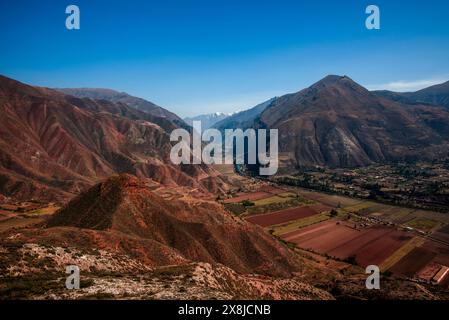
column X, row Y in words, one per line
column 284, row 216
column 369, row 246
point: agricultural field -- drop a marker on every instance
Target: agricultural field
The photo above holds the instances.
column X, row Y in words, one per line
column 334, row 201
column 442, row 234
column 342, row 240
column 280, row 198
column 423, row 224
column 253, row 196
column 263, row 199
column 281, row 217
column 406, row 242
column 299, row 224
column 19, row 215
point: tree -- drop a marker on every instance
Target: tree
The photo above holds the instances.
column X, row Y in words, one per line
column 248, row 203
column 333, row 213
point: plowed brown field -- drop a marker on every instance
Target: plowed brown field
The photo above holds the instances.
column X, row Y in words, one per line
column 287, row 215
column 369, row 246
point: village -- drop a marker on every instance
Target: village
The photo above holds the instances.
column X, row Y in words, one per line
column 423, row 185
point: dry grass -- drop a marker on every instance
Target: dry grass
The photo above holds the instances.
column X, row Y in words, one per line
column 274, row 199
column 44, row 211
column 298, row 224
column 423, row 224
column 19, row 223
column 360, row 206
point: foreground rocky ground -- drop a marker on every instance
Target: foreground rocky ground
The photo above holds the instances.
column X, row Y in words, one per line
column 31, row 271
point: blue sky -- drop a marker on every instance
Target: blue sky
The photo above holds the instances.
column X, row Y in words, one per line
column 200, row 56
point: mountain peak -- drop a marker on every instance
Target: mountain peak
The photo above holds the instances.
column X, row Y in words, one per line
column 343, row 84
column 331, row 80
column 123, row 205
column 83, row 212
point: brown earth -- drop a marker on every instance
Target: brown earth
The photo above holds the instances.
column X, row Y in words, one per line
column 338, row 123
column 368, row 246
column 123, row 215
column 279, row 217
column 52, row 145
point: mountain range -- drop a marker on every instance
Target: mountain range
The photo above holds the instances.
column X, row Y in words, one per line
column 122, row 97
column 338, row 123
column 54, row 145
column 243, row 119
column 207, row 120
column 435, row 95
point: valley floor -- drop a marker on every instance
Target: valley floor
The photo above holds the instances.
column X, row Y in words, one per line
column 356, row 231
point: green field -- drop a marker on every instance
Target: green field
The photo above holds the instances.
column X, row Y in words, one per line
column 301, row 223
column 423, row 224
column 273, row 199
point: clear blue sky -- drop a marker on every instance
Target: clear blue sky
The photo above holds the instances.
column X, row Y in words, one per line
column 197, row 56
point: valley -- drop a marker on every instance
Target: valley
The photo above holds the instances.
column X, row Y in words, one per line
column 86, row 180
column 420, row 185
column 354, row 231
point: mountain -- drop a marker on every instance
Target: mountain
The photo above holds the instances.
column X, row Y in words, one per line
column 338, row 123
column 54, row 145
column 436, row 95
column 207, row 120
column 243, row 119
column 161, row 232
column 122, row 97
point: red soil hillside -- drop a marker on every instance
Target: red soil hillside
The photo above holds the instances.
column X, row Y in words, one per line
column 123, row 205
column 124, row 98
column 53, row 145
